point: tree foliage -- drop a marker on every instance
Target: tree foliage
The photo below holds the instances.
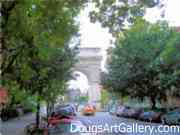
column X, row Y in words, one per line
column 115, row 14
column 35, row 45
column 35, row 40
column 83, row 99
column 104, row 98
column 145, row 62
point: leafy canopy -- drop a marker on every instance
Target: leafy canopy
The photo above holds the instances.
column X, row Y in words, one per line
column 145, row 62
column 35, row 44
column 116, row 14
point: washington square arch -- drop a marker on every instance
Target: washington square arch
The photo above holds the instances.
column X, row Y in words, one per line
column 89, row 63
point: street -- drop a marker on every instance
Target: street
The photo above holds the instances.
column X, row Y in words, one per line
column 16, row 126
column 104, row 118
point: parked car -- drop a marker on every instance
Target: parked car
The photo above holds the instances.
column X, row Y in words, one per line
column 61, row 112
column 125, row 111
column 65, row 127
column 113, row 110
column 120, row 110
column 171, row 118
column 9, row 113
column 56, row 118
column 133, row 113
column 65, row 110
column 151, row 116
column 89, row 110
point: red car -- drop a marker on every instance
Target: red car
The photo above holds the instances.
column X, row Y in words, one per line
column 58, row 119
column 52, row 126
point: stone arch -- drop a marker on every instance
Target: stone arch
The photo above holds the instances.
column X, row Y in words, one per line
column 89, row 63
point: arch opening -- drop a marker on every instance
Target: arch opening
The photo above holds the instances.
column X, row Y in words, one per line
column 77, row 92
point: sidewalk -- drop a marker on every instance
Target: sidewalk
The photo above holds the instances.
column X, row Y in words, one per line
column 16, row 126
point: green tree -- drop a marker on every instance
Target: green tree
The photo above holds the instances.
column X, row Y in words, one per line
column 83, row 99
column 35, row 24
column 115, row 14
column 105, row 97
column 58, row 74
column 35, row 38
column 145, row 62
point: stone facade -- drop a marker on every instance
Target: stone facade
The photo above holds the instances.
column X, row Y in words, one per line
column 89, row 63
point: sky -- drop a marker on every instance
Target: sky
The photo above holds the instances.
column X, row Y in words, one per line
column 93, row 35
column 81, row 83
column 172, row 13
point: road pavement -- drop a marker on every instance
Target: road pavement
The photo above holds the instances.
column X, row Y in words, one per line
column 122, row 126
column 101, row 119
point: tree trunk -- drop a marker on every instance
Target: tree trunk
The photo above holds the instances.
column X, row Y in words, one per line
column 5, row 9
column 122, row 98
column 48, row 109
column 52, row 107
column 153, row 101
column 38, row 114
